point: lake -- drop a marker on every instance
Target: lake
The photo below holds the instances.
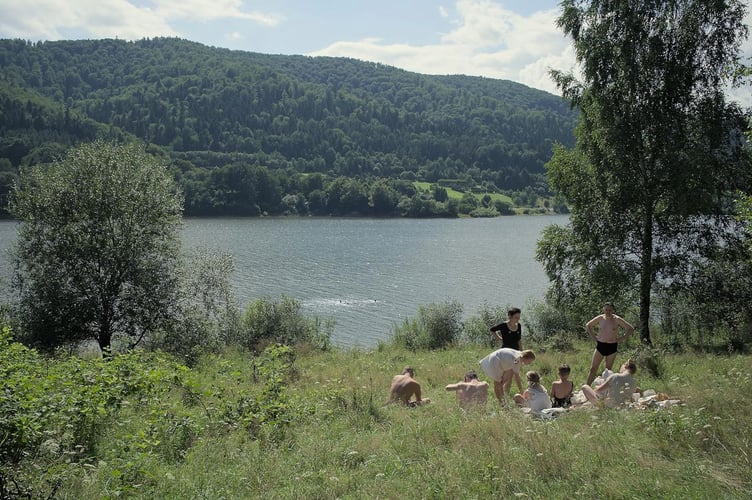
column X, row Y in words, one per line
column 370, row 274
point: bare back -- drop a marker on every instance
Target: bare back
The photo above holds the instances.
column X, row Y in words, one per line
column 474, row 392
column 562, row 389
column 403, row 388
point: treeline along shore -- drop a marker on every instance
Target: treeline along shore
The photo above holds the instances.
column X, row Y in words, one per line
column 251, row 134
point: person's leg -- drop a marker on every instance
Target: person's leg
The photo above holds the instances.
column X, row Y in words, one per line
column 499, row 390
column 590, row 394
column 594, row 364
column 610, row 361
column 507, row 380
column 416, row 391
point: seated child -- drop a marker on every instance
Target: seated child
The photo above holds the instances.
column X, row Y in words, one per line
column 561, row 390
column 535, row 396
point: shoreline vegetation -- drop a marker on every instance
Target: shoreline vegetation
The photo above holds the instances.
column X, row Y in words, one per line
column 294, row 422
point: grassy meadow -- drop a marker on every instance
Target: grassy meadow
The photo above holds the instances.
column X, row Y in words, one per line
column 314, row 425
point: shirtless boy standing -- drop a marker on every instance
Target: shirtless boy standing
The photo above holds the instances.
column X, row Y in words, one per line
column 607, row 338
column 471, row 392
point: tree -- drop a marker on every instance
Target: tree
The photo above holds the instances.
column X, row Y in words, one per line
column 657, row 147
column 97, row 247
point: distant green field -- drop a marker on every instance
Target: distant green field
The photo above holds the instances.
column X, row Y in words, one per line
column 426, row 186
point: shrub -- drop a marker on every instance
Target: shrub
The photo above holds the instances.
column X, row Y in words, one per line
column 282, row 322
column 476, row 328
column 434, row 327
column 544, row 320
column 649, row 360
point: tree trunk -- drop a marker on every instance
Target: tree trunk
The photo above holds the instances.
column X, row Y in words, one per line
column 646, row 275
column 105, row 340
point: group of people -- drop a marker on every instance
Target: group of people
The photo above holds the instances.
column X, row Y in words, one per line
column 503, row 366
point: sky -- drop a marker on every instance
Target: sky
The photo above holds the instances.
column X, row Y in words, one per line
column 509, row 39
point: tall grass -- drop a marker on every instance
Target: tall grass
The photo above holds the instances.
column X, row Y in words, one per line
column 339, row 440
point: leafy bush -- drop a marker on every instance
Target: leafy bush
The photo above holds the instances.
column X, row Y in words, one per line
column 434, row 327
column 207, row 314
column 282, row 322
column 484, row 212
column 59, row 408
column 649, row 360
column 267, row 414
column 544, row 320
column 476, row 328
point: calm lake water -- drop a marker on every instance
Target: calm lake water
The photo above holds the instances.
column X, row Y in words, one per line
column 370, row 274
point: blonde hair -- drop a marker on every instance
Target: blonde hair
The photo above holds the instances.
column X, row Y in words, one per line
column 528, row 354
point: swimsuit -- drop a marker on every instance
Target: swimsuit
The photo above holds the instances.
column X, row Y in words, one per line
column 606, row 348
column 562, row 402
column 509, row 339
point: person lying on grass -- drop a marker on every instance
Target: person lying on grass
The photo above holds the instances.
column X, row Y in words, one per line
column 404, row 387
column 616, row 390
column 471, row 391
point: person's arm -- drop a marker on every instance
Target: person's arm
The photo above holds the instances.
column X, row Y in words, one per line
column 455, row 387
column 627, row 327
column 589, row 327
column 519, row 342
column 495, row 330
column 518, row 381
column 601, row 388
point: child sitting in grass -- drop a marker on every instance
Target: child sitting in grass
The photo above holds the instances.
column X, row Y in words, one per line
column 535, row 396
column 561, row 390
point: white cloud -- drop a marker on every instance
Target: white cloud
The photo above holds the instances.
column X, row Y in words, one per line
column 201, row 10
column 48, row 19
column 443, row 12
column 234, row 36
column 487, row 40
column 51, row 19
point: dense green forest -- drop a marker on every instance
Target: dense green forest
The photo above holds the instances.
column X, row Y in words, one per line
column 251, row 133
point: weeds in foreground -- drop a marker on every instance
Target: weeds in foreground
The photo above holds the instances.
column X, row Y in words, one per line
column 284, row 425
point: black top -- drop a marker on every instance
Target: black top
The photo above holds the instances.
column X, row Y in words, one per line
column 509, row 338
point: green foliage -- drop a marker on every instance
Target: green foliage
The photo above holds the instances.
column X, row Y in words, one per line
column 241, row 126
column 267, row 321
column 57, row 410
column 545, row 321
column 267, row 415
column 207, row 316
column 291, row 425
column 97, row 247
column 476, row 328
column 647, row 182
column 436, row 326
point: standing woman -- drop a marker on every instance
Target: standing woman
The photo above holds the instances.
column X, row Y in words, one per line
column 510, row 331
column 510, row 334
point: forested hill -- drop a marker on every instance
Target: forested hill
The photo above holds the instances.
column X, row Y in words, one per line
column 276, row 116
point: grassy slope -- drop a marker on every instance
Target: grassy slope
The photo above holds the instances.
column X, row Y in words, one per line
column 426, row 186
column 344, row 443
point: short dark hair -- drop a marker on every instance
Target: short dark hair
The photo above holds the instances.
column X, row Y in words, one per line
column 409, row 369
column 512, row 311
column 471, row 374
column 564, row 368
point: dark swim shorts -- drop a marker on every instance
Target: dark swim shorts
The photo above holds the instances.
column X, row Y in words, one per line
column 606, row 348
